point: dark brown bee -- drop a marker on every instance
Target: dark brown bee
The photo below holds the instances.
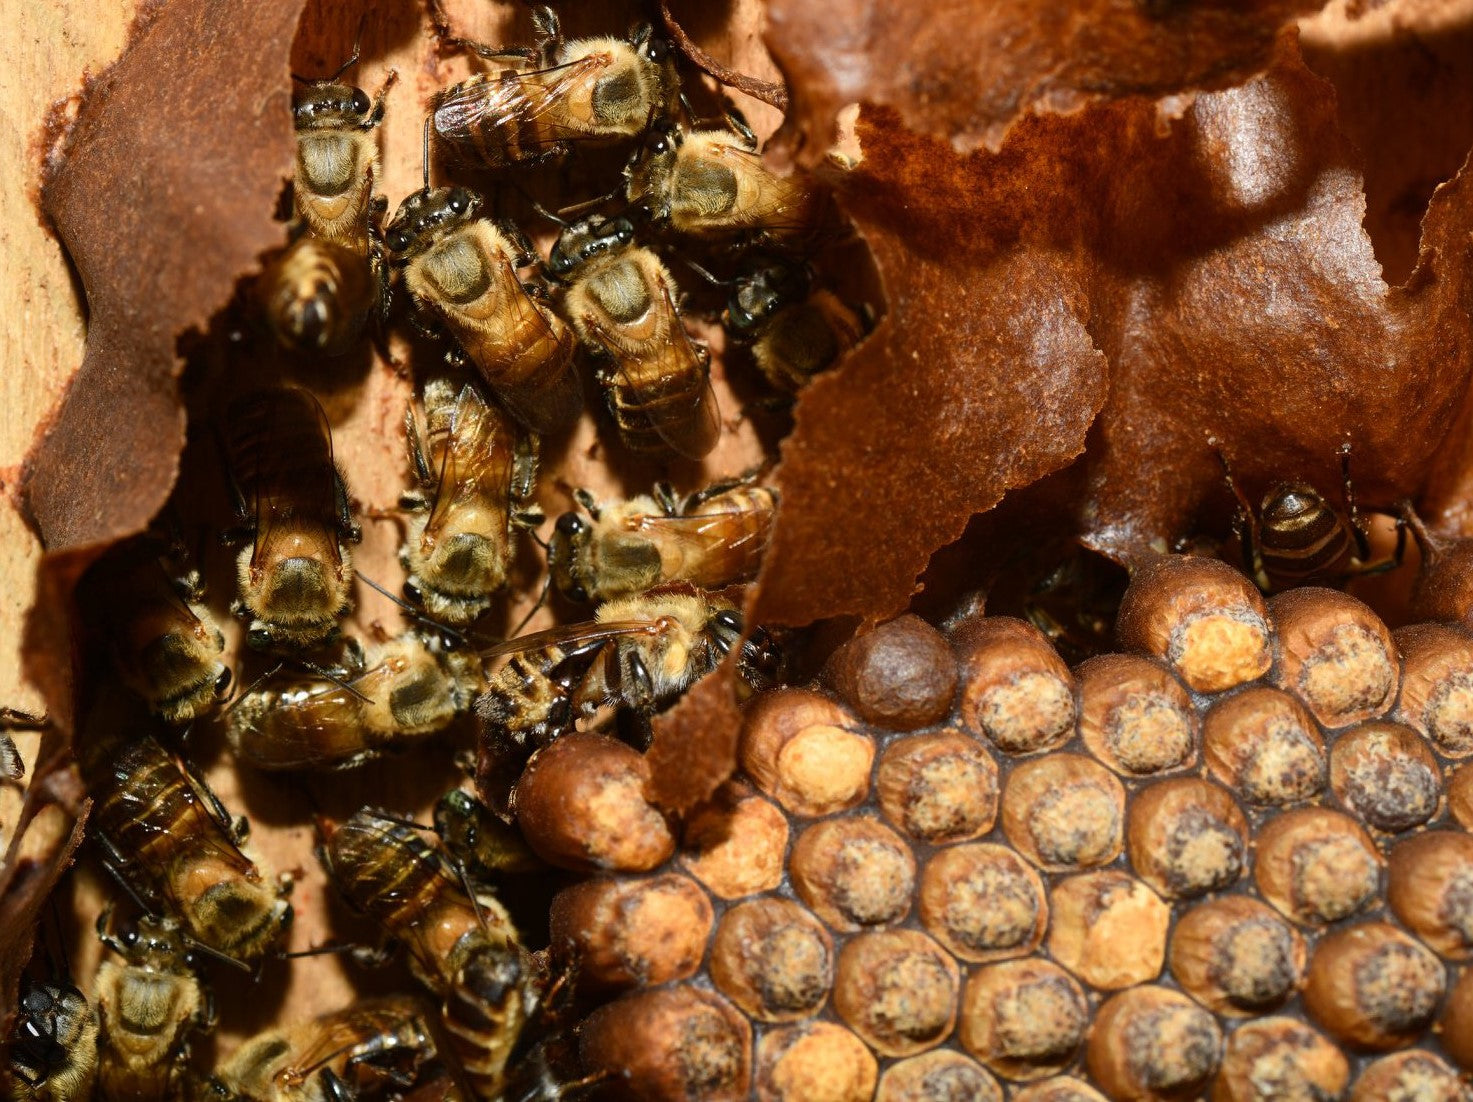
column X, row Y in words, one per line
column 296, row 574
column 476, row 472
column 164, row 833
column 481, row 845
column 465, row 951
column 712, row 539
column 462, row 269
column 164, row 642
column 1296, row 537
column 349, row 1055
column 53, row 1045
column 622, row 302
column 318, row 296
column 148, row 1007
column 400, row 693
column 794, row 330
column 561, row 92
column 712, row 185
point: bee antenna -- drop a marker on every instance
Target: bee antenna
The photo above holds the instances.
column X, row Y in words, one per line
column 532, row 202
column 414, row 612
column 317, row 951
column 541, row 600
column 211, row 951
column 327, row 675
column 252, row 687
column 425, row 153
column 710, row 278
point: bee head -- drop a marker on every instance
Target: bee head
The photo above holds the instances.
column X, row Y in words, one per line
column 566, row 555
column 324, row 105
column 428, row 213
column 586, row 239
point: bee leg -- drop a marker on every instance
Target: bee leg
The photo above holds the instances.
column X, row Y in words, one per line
column 639, row 687
column 376, row 115
column 421, row 466
column 526, row 254
column 350, row 531
column 665, row 497
column 1357, row 526
column 700, row 497
column 586, row 499
column 738, row 123
column 104, row 930
column 524, row 466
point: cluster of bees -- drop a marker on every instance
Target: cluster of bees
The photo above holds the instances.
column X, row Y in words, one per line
column 516, row 327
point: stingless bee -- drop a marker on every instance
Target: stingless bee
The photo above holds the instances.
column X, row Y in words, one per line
column 793, row 329
column 320, row 291
column 53, row 1045
column 1296, row 537
column 295, row 572
column 712, row 539
column 475, row 476
column 712, row 185
column 464, row 950
column 559, row 93
column 347, row 1055
column 164, row 642
column 462, row 269
column 166, row 836
column 402, row 691
column 148, row 1007
column 622, row 301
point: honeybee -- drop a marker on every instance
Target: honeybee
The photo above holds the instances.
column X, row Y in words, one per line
column 53, row 1045
column 164, row 642
column 317, row 296
column 712, row 184
column 477, row 471
column 480, row 844
column 462, row 269
column 794, row 330
column 465, row 951
column 621, row 300
column 147, row 1007
column 295, row 574
column 712, row 539
column 1296, row 537
column 639, row 653
column 342, row 1056
column 165, row 834
column 403, row 691
column 559, row 93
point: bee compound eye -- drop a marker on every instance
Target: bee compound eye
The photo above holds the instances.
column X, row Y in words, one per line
column 729, row 619
column 359, row 102
column 570, row 524
column 396, row 241
column 222, row 681
column 459, row 200
column 411, row 590
column 657, row 50
column 259, row 638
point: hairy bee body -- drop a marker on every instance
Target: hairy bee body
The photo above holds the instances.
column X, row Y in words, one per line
column 318, row 295
column 621, row 301
column 462, row 270
column 564, row 92
column 295, row 573
column 346, row 1055
column 404, row 691
column 163, row 831
column 793, row 329
column 711, row 540
column 465, row 951
column 1301, row 536
column 148, row 1006
column 53, row 1045
column 164, row 643
column 475, row 468
column 481, row 845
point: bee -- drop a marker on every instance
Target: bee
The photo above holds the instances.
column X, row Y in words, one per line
column 53, row 1045
column 342, row 1056
column 475, row 474
column 147, row 1007
column 464, row 950
column 166, row 836
column 480, row 845
column 164, row 642
column 794, row 330
column 462, row 269
column 405, row 690
column 1296, row 537
column 712, row 185
column 559, row 93
column 321, row 290
column 621, row 300
column 295, row 572
column 639, row 653
column 712, row 539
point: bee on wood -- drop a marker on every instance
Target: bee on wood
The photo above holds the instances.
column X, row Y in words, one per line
column 713, row 185
column 321, row 290
column 476, row 471
column 53, row 1045
column 164, row 642
column 622, row 301
column 388, row 700
column 148, row 1006
column 712, row 539
column 558, row 93
column 462, row 269
column 464, row 950
column 793, row 329
column 371, row 1047
column 295, row 572
column 166, row 836
column 1296, row 537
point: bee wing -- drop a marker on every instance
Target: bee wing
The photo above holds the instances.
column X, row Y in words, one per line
column 780, row 209
column 698, row 532
column 572, row 639
column 281, row 463
column 543, row 402
column 516, row 99
column 476, row 464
